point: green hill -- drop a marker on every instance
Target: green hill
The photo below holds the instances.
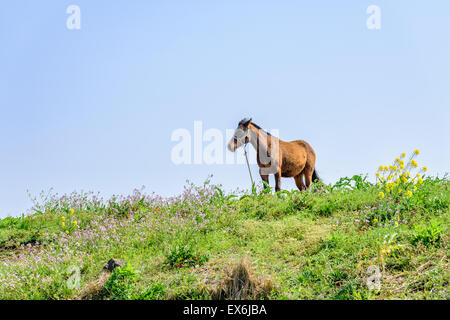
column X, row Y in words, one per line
column 326, row 243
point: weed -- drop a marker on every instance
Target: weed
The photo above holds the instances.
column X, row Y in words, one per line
column 120, row 286
column 184, row 256
column 156, row 291
column 428, row 235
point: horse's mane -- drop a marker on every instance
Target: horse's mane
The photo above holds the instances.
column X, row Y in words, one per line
column 255, row 125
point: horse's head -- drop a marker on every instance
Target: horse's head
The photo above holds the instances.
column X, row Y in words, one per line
column 241, row 135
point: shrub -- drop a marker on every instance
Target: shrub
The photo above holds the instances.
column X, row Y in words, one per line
column 184, row 256
column 358, row 182
column 399, row 191
column 428, row 235
column 120, row 286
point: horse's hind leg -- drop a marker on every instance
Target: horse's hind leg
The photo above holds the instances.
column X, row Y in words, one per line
column 299, row 181
column 308, row 172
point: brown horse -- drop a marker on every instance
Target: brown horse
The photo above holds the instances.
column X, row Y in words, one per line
column 294, row 159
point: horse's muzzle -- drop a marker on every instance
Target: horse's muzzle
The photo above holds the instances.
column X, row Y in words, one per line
column 232, row 145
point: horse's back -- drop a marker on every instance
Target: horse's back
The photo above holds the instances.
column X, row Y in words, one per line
column 303, row 144
column 306, row 147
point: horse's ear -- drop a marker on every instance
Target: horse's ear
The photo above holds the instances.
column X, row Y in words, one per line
column 246, row 124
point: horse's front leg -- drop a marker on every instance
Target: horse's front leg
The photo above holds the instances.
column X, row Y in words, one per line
column 278, row 180
column 265, row 178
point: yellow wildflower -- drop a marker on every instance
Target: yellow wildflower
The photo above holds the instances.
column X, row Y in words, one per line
column 424, row 169
column 63, row 223
column 416, row 151
column 71, row 211
column 420, row 180
column 375, row 220
column 381, row 194
column 75, row 222
column 403, row 154
column 63, row 218
column 396, row 223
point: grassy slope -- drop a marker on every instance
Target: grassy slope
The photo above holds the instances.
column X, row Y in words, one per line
column 315, row 245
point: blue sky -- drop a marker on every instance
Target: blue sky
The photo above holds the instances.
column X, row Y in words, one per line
column 94, row 109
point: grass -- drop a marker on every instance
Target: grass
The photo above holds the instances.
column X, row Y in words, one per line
column 204, row 244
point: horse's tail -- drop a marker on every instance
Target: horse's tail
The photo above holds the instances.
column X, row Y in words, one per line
column 315, row 176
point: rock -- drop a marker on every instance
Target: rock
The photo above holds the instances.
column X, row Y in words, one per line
column 112, row 264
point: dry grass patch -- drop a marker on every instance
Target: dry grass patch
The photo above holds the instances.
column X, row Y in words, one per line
column 93, row 289
column 240, row 283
